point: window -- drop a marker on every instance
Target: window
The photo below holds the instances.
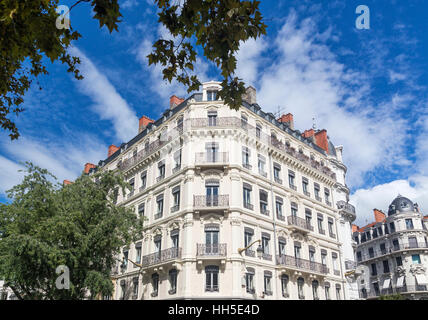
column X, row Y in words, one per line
column 141, row 209
column 158, row 244
column 265, row 244
column 379, row 231
column 315, row 286
column 284, row 285
column 173, row 281
column 212, row 152
column 211, row 283
column 176, row 199
column 277, row 173
column 323, row 257
column 305, row 184
column 132, row 185
column 416, row 259
column 161, row 169
column 374, row 269
column 327, row 196
column 376, row 288
column 300, row 283
column 291, row 180
column 144, row 180
column 123, row 290
column 258, row 131
column 327, row 291
column 268, row 283
column 211, row 95
column 335, row 265
column 368, row 235
column 246, row 157
column 320, row 227
column 308, row 217
column 278, row 207
column 281, row 246
column 261, row 165
column 177, row 159
column 248, row 238
column 392, row 227
column 409, row 224
column 264, row 202
column 211, row 191
column 374, row 233
column 212, row 118
column 175, row 238
column 294, row 209
column 247, row 196
column 382, row 248
column 155, row 284
column 138, row 252
column 297, row 247
column 371, row 252
column 244, row 122
column 125, row 259
column 330, row 228
column 413, row 242
column 317, row 191
column 338, row 289
column 396, row 244
column 159, row 202
column 359, row 256
column 135, row 287
column 311, row 254
column 385, row 266
column 249, row 281
column 399, row 261
column 211, row 239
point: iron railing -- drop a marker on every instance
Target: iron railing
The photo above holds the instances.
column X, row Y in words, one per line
column 381, row 292
column 393, row 248
column 162, row 256
column 299, row 222
column 211, row 158
column 175, row 208
column 211, row 201
column 301, row 264
column 278, row 180
column 248, row 206
column 207, row 250
column 345, row 206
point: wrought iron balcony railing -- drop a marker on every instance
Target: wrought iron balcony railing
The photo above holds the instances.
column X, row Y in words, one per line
column 345, row 206
column 321, row 231
column 306, row 193
column 176, row 169
column 175, row 208
column 278, row 180
column 219, row 201
column 250, row 253
column 247, row 166
column 301, row 264
column 299, row 222
column 211, row 288
column 209, row 250
column 162, row 256
column 318, row 198
column 391, row 249
column 206, row 158
column 280, row 217
column 160, row 178
column 294, row 187
column 248, row 206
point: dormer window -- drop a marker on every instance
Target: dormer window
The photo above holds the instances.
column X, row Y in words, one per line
column 211, row 95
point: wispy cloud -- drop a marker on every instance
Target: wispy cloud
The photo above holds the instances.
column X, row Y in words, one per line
column 108, row 103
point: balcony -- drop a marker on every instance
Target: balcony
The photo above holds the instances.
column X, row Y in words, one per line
column 220, row 202
column 264, row 211
column 160, row 178
column 175, row 208
column 211, row 251
column 248, row 206
column 299, row 224
column 176, row 169
column 212, row 160
column 321, row 231
column 163, row 256
column 158, row 215
column 266, row 256
column 247, row 166
column 306, row 193
column 280, row 217
column 250, row 253
column 294, row 187
column 350, row 265
column 332, row 235
column 347, row 209
column 262, row 173
column 301, row 264
column 278, row 180
column 318, row 198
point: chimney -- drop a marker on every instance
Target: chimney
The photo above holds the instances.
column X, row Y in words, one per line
column 144, row 121
column 250, row 95
column 321, row 139
column 174, row 101
column 354, row 228
column 111, row 150
column 379, row 215
column 287, row 119
column 89, row 166
column 308, row 133
column 67, row 182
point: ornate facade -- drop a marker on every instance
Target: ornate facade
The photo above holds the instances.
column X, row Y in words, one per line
column 239, row 205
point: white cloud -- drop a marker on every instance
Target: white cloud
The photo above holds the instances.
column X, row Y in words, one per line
column 128, row 4
column 108, row 103
column 249, row 57
column 306, row 79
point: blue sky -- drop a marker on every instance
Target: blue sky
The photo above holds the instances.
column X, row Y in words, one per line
column 366, row 87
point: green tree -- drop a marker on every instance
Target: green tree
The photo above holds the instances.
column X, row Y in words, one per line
column 392, row 297
column 28, row 33
column 47, row 225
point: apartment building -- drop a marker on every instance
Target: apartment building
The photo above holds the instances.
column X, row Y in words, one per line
column 392, row 252
column 239, row 205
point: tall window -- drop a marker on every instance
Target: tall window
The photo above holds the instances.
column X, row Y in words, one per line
column 317, row 191
column 374, row 269
column 175, row 238
column 338, row 289
column 141, row 209
column 161, row 169
column 308, row 217
column 159, row 203
column 264, row 202
column 330, row 228
column 132, row 184
column 258, row 130
column 327, row 291
column 281, row 246
column 416, row 259
column 409, row 224
column 123, row 290
column 249, row 280
column 392, row 227
column 138, row 252
column 211, row 283
column 383, row 248
column 261, row 165
column 334, row 260
column 323, row 257
column 294, row 209
column 125, row 259
column 144, row 180
column 291, row 176
column 277, row 173
column 413, row 242
column 247, row 196
column 248, row 238
column 371, row 252
column 155, row 285
column 212, row 118
column 300, row 283
column 177, row 159
column 396, row 244
column 211, row 239
column 211, row 95
column 305, row 183
column 327, row 196
column 211, row 191
column 385, row 266
column 284, row 285
column 176, row 199
column 158, row 244
column 212, row 151
column 173, row 281
column 244, row 122
column 246, row 157
column 398, row 261
column 268, row 283
column 265, row 244
column 278, row 207
column 297, row 247
column 315, row 286
column 320, row 227
column 135, row 287
column 312, row 254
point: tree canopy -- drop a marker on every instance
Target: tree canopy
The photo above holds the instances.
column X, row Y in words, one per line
column 78, row 225
column 28, row 33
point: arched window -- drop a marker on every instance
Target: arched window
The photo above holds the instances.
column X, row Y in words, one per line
column 155, row 284
column 284, row 285
column 300, row 283
column 173, row 281
column 211, row 280
column 315, row 286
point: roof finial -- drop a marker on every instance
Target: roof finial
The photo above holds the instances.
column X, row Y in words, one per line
column 314, row 126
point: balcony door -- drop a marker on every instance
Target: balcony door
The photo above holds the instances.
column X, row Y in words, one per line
column 211, row 189
column 212, row 152
column 211, row 242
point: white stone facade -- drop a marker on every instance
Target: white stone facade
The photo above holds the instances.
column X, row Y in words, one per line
column 217, row 180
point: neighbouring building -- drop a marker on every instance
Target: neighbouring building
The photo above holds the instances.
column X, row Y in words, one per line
column 239, row 205
column 392, row 252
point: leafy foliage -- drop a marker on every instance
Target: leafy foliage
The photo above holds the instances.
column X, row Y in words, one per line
column 219, row 26
column 77, row 225
column 392, row 297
